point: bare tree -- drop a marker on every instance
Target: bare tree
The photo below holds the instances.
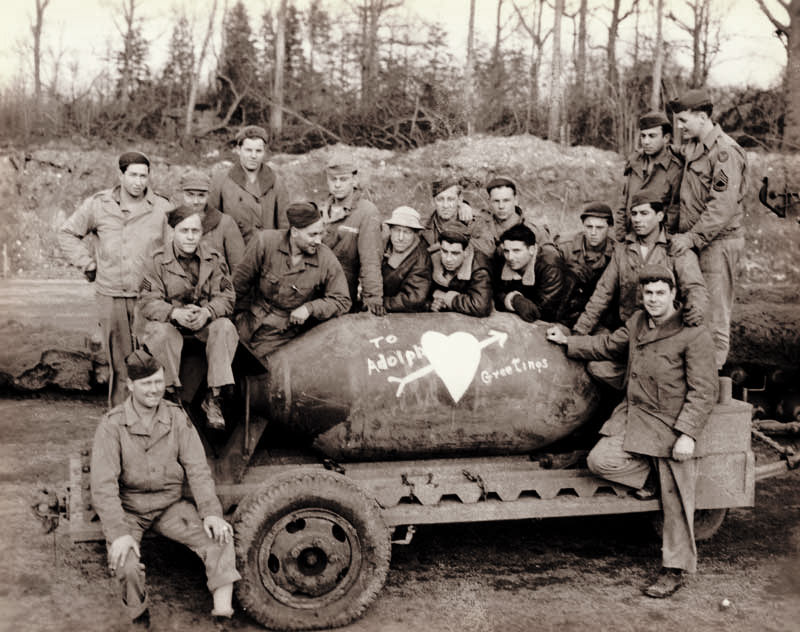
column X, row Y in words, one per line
column 554, row 114
column 195, row 79
column 658, row 57
column 580, row 61
column 704, row 29
column 276, row 112
column 370, row 13
column 617, row 17
column 469, row 71
column 36, row 32
column 789, row 32
column 538, row 40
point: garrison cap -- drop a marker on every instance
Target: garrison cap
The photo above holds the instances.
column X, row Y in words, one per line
column 598, row 209
column 302, row 214
column 405, row 216
column 252, row 131
column 501, row 181
column 691, row 100
column 341, row 165
column 646, row 196
column 177, row 215
column 655, row 118
column 656, row 272
column 141, row 364
column 195, row 180
column 455, row 233
column 437, row 186
column 133, row 158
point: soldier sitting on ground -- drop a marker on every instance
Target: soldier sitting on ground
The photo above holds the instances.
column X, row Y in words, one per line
column 671, row 389
column 187, row 293
column 529, row 282
column 461, row 278
column 451, row 209
column 287, row 281
column 145, row 450
column 406, row 268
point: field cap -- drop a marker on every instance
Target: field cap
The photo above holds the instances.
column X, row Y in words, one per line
column 656, row 272
column 132, row 158
column 655, row 118
column 195, row 180
column 180, row 213
column 252, row 131
column 437, row 186
column 405, row 216
column 302, row 214
column 141, row 364
column 341, row 165
column 455, row 233
column 501, row 181
column 598, row 209
column 691, row 100
column 650, row 197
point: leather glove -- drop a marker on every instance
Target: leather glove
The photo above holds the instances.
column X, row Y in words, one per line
column 375, row 307
column 693, row 316
column 680, row 243
column 526, row 309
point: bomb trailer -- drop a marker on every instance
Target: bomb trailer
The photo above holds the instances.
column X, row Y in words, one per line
column 364, row 428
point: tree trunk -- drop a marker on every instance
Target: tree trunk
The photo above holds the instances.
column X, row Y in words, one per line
column 195, row 78
column 791, row 130
column 276, row 111
column 611, row 49
column 554, row 115
column 36, row 32
column 658, row 54
column 580, row 65
column 469, row 71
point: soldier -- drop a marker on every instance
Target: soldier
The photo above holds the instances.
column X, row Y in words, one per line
column 647, row 243
column 585, row 257
column 220, row 231
column 711, row 212
column 353, row 233
column 671, row 389
column 654, row 167
column 287, row 280
column 406, row 268
column 461, row 277
column 187, row 293
column 126, row 220
column 145, row 450
column 251, row 193
column 450, row 208
column 530, row 282
column 505, row 213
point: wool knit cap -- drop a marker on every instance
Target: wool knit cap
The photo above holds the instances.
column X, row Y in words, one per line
column 501, row 181
column 302, row 214
column 195, row 180
column 437, row 186
column 132, row 158
column 598, row 209
column 141, row 364
column 177, row 215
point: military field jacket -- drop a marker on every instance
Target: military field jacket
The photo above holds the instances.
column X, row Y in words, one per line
column 480, row 234
column 581, row 276
column 222, row 234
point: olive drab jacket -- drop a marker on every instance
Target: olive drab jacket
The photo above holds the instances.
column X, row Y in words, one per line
column 139, row 471
column 264, row 211
column 620, row 281
column 406, row 287
column 495, row 229
column 660, row 174
column 356, row 240
column 166, row 285
column 480, row 234
column 470, row 288
column 583, row 269
column 123, row 238
column 712, row 189
column 671, row 379
column 269, row 286
column 222, row 234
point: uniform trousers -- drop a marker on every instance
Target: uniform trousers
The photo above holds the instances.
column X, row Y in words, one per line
column 718, row 263
column 262, row 338
column 116, row 322
column 677, row 483
column 179, row 522
column 165, row 343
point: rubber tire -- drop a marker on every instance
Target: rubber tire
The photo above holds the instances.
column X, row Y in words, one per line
column 310, row 489
column 706, row 523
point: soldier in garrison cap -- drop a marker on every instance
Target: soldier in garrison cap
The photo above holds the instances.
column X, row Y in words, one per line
column 353, row 232
column 145, row 451
column 655, row 167
column 288, row 281
column 711, row 211
column 250, row 192
column 125, row 220
column 586, row 256
column 450, row 209
column 618, row 288
column 220, row 231
column 671, row 389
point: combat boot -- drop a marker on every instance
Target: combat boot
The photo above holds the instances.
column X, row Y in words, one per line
column 667, row 583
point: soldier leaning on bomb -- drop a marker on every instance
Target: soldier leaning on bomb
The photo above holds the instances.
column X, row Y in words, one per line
column 126, row 220
column 406, row 268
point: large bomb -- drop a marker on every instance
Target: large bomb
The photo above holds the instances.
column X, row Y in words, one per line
column 413, row 385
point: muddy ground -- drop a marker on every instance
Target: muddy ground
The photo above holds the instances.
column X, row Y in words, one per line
column 565, row 574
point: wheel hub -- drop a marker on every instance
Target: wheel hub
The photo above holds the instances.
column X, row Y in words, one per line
column 309, row 557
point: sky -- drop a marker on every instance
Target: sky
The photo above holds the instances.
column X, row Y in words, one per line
column 83, row 31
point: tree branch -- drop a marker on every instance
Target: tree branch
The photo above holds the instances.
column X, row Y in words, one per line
column 775, row 22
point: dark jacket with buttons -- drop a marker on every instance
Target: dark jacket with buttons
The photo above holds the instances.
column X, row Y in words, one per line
column 406, row 287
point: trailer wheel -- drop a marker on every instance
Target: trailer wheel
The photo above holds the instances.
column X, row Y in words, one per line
column 706, row 523
column 312, row 550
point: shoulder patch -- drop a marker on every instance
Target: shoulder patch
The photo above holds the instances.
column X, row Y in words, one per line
column 723, row 155
column 145, row 286
column 721, row 181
